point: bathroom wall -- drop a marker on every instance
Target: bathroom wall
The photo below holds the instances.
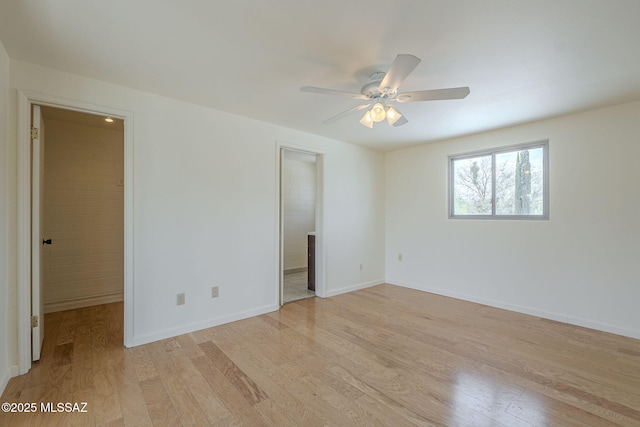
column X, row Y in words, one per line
column 299, row 206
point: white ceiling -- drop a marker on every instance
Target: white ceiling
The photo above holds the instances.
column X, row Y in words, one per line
column 523, row 60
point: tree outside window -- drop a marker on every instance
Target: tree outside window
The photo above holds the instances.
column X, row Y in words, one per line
column 507, row 183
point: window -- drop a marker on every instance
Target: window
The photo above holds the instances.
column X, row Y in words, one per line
column 506, row 183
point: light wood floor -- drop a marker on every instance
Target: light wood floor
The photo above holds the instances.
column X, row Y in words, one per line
column 380, row 356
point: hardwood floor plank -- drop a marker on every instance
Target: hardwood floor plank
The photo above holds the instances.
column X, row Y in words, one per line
column 275, row 415
column 384, row 414
column 160, row 408
column 82, row 396
column 546, row 373
column 143, row 366
column 132, row 403
column 384, row 355
column 382, row 399
column 107, row 401
column 188, row 347
column 82, row 345
column 209, row 402
column 281, row 385
column 67, row 327
column 356, row 415
column 285, row 385
column 233, row 399
column 316, row 361
column 184, row 402
column 557, row 397
column 62, row 355
column 233, row 373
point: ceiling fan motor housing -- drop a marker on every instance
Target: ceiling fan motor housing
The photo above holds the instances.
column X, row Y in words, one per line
column 372, row 89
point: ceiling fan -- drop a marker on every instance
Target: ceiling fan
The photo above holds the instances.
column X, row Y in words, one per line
column 383, row 89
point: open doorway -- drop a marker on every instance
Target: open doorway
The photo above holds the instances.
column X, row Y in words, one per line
column 78, row 204
column 83, row 210
column 30, row 242
column 299, row 190
column 300, row 223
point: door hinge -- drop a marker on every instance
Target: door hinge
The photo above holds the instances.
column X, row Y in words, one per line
column 35, row 133
column 34, row 321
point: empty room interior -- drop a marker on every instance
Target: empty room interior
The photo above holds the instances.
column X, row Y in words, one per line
column 338, row 213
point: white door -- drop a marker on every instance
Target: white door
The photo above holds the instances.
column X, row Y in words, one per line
column 37, row 193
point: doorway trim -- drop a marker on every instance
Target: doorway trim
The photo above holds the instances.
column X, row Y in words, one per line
column 25, row 101
column 321, row 289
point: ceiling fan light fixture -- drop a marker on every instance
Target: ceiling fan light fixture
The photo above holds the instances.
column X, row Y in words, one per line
column 392, row 115
column 377, row 112
column 382, row 88
column 366, row 120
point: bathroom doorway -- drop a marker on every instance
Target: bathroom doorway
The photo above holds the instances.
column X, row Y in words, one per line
column 299, row 206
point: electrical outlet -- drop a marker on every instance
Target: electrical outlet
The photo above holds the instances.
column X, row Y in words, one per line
column 361, row 267
column 214, row 292
column 180, row 299
column 399, row 257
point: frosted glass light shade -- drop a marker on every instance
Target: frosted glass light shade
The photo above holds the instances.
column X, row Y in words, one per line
column 377, row 112
column 392, row 115
column 366, row 120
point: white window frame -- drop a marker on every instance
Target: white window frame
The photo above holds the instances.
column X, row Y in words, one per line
column 493, row 152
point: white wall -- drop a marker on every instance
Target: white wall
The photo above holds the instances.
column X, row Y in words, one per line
column 83, row 215
column 205, row 205
column 298, row 210
column 7, row 302
column 356, row 218
column 582, row 263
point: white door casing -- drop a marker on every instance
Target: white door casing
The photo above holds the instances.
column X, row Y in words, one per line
column 320, row 237
column 24, row 209
column 280, row 237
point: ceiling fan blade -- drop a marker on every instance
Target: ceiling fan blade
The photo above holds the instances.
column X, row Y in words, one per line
column 402, row 66
column 434, row 95
column 401, row 121
column 323, row 91
column 345, row 114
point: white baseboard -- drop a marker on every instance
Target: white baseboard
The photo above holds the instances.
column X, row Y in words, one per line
column 217, row 321
column 352, row 288
column 71, row 304
column 10, row 372
column 185, row 329
column 572, row 320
